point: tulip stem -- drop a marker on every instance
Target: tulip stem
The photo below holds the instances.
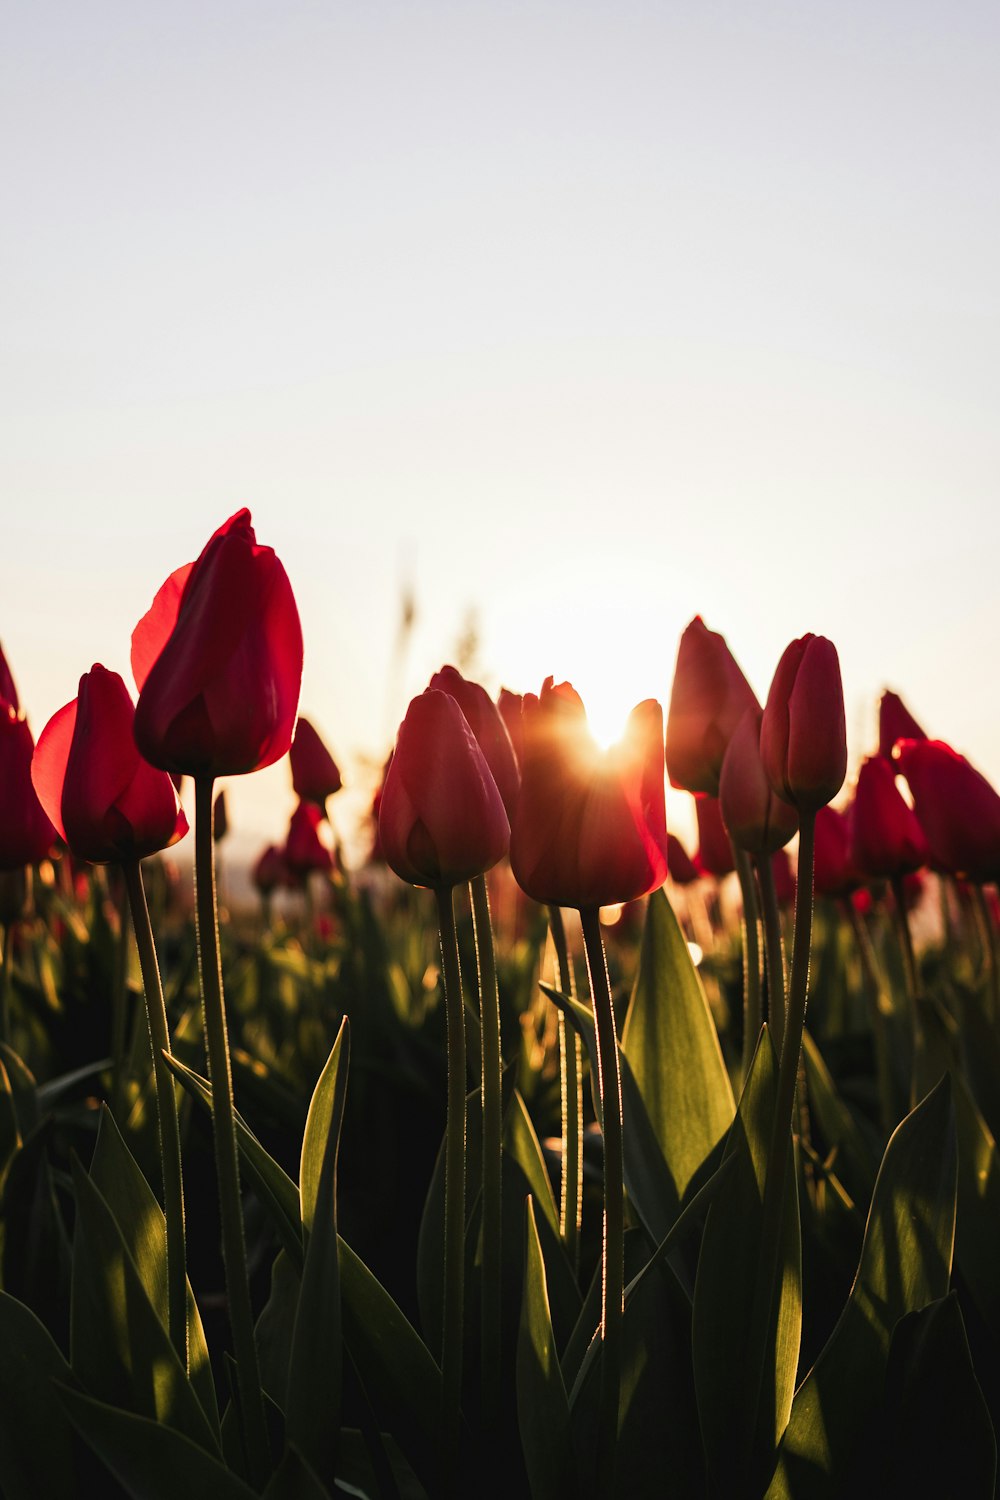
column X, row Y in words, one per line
column 752, row 1014
column 454, row 1190
column 911, row 978
column 119, row 1002
column 492, row 1104
column 613, row 1261
column 234, row 1254
column 571, row 1094
column 872, row 984
column 166, row 1108
column 774, row 956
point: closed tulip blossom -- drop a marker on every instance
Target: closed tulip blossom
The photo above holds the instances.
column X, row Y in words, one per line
column 26, row 833
column 957, row 808
column 708, row 698
column 590, row 825
column 8, row 692
column 271, row 872
column 218, row 660
column 803, row 734
column 509, row 707
column 681, row 868
column 441, row 817
column 755, row 819
column 488, row 726
column 315, row 773
column 895, row 722
column 886, row 839
column 305, row 850
column 834, row 869
column 108, row 803
column 715, row 852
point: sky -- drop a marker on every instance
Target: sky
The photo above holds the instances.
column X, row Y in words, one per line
column 572, row 320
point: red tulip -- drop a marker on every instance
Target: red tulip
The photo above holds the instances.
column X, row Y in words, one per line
column 895, row 722
column 590, row 826
column 315, row 774
column 803, row 734
column 509, row 707
column 886, row 839
column 108, row 803
column 784, row 878
column 957, row 808
column 488, row 727
column 271, row 871
column 304, row 849
column 708, row 698
column 218, row 660
column 715, row 853
column 680, row 866
column 220, row 818
column 833, row 871
column 441, row 818
column 26, row 834
column 8, row 692
column 756, row 820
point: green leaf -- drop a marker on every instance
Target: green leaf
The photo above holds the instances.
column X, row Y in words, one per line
column 152, row 1461
column 36, row 1441
column 120, row 1350
column 839, row 1129
column 742, row 1413
column 542, row 1407
column 10, row 1135
column 905, row 1264
column 274, row 1187
column 24, row 1090
column 977, row 1231
column 276, row 1326
column 143, row 1227
column 294, row 1479
column 312, row 1412
column 671, row 1044
column 401, row 1379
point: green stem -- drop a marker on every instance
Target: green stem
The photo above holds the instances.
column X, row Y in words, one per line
column 911, row 978
column 990, row 947
column 752, row 1014
column 613, row 1260
column 224, row 1129
column 769, row 1263
column 119, row 1006
column 166, row 1106
column 571, row 1094
column 492, row 1068
column 774, row 954
column 874, row 990
column 454, row 1190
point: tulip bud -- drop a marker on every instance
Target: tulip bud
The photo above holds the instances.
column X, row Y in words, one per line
column 886, row 839
column 220, row 818
column 271, row 871
column 8, row 692
column 756, row 820
column 488, row 727
column 715, row 852
column 315, row 773
column 957, row 808
column 895, row 722
column 26, row 834
column 590, row 826
column 681, row 867
column 803, row 734
column 107, row 802
column 304, row 849
column 509, row 707
column 441, row 818
column 834, row 873
column 708, row 698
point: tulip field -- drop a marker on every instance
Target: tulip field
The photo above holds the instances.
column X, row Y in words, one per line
column 535, row 1155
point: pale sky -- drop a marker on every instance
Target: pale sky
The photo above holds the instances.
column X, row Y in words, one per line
column 585, row 317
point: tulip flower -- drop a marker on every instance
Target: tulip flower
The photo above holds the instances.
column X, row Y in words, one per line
column 108, row 803
column 681, row 868
column 784, row 878
column 835, row 872
column 715, row 852
column 304, row 849
column 8, row 692
column 271, row 871
column 803, row 733
column 489, row 728
column 220, row 818
column 315, row 773
column 441, row 818
column 895, row 722
column 26, row 834
column 886, row 839
column 509, row 706
column 218, row 660
column 755, row 819
column 957, row 808
column 709, row 697
column 590, row 826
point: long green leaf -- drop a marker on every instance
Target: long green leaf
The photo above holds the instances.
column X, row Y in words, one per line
column 905, row 1264
column 312, row 1412
column 36, row 1441
column 120, row 1351
column 143, row 1227
column 743, row 1413
column 671, row 1044
column 150, row 1459
column 542, row 1407
column 977, row 1231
